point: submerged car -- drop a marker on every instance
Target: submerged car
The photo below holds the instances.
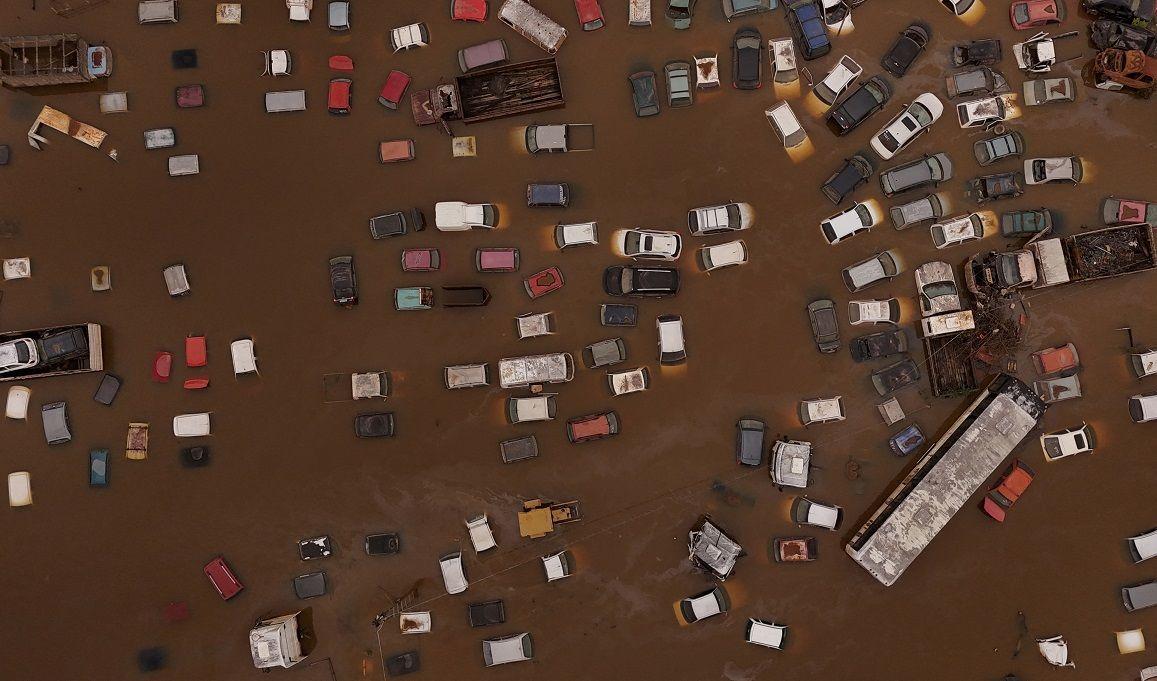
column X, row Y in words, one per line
column 547, row 195
column 983, row 112
column 679, row 88
column 746, row 62
column 958, row 230
column 878, row 345
column 1022, row 223
column 723, row 255
column 936, row 286
column 643, row 281
column 927, row 171
column 728, row 217
column 1041, row 91
column 457, row 216
column 874, row 312
column 915, row 120
column 1002, row 497
column 895, row 376
column 838, row 80
column 1069, row 442
column 643, row 93
column 340, row 96
column 857, row 107
column 1143, row 408
column 825, row 326
column 397, row 223
column 1053, row 169
column 976, row 81
column 679, row 12
column 512, row 648
column 806, row 21
column 914, row 212
column 1116, row 211
column 1026, row 14
column 994, row 187
column 990, row 150
column 646, row 244
column 985, row 52
column 749, row 434
column 854, row 173
column 957, row 7
column 847, row 224
column 806, row 511
column 343, row 281
column 378, row 424
column 704, row 605
column 1137, row 13
column 879, row 267
column 908, row 46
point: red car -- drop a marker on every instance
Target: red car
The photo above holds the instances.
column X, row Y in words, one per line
column 1056, row 361
column 421, row 260
column 1033, row 13
column 162, row 366
column 394, row 89
column 468, row 10
column 340, row 62
column 1003, row 496
column 496, row 259
column 222, row 578
column 542, row 283
column 340, row 94
column 590, row 14
column 196, row 355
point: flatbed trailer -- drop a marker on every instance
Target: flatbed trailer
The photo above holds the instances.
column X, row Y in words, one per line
column 949, row 362
column 1096, row 254
column 92, row 360
column 509, row 90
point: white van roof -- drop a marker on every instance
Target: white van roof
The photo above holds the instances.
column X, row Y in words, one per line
column 452, row 573
column 671, row 335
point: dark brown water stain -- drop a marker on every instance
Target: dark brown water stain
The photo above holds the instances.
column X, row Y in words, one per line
column 279, row 195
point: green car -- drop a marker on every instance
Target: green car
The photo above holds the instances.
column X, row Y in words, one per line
column 1022, row 223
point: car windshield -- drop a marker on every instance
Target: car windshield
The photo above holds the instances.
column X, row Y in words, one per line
column 1009, row 271
column 939, row 288
column 1038, row 170
column 889, row 141
column 864, row 214
column 921, row 113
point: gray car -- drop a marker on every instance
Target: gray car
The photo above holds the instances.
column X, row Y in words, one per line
column 55, row 418
column 928, row 171
column 678, row 84
column 825, row 325
column 914, row 212
column 990, row 150
column 880, row 267
column 749, row 441
column 1138, row 596
column 643, row 94
column 936, row 284
column 339, row 16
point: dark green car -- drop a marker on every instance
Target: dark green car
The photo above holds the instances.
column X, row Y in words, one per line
column 1023, row 223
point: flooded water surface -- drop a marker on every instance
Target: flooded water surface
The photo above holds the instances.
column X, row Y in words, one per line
column 90, row 571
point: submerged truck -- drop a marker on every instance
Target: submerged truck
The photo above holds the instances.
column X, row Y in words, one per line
column 50, row 351
column 1097, row 254
column 498, row 92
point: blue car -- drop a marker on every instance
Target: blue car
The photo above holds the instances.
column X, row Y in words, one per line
column 806, row 22
column 906, row 441
column 98, row 468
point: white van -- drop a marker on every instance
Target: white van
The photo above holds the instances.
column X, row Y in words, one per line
column 285, row 100
column 532, row 24
column 786, row 125
column 672, row 347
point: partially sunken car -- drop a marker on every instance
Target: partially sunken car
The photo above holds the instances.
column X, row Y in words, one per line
column 530, row 409
column 679, row 90
column 1026, row 14
column 853, row 174
column 592, row 427
column 874, row 312
column 641, row 281
column 1024, row 223
column 648, row 244
column 908, row 46
column 786, row 126
column 1143, row 408
column 790, row 463
column 880, row 267
column 975, row 81
column 984, row 52
column 914, row 212
column 704, row 605
column 711, row 549
column 672, row 345
column 377, row 424
column 630, row 381
column 727, row 217
column 846, row 224
column 746, row 59
column 895, row 376
column 936, row 286
column 995, row 187
column 821, row 410
column 928, row 171
column 838, row 80
column 992, row 149
column 806, row 22
column 1143, row 546
column 1053, row 169
column 867, row 99
column 749, row 434
column 397, row 223
column 643, row 93
column 457, row 216
column 825, row 327
column 914, row 120
column 983, row 112
column 604, row 353
column 512, row 648
column 794, row 549
column 958, row 230
column 1061, row 444
column 805, row 511
column 1006, row 493
column 1046, row 90
column 878, row 345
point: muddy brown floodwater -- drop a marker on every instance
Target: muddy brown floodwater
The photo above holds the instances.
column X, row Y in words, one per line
column 89, row 571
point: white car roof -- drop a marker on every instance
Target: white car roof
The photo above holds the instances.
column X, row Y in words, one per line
column 452, row 573
column 730, row 253
column 784, row 118
column 1148, row 405
column 506, row 649
column 191, row 425
column 846, row 222
column 535, row 408
column 825, row 409
column 712, row 218
column 957, row 229
column 1145, row 544
column 705, row 606
column 580, row 232
column 553, row 566
column 661, row 242
column 671, row 335
column 822, row 515
column 874, row 309
column 764, row 634
column 841, row 74
column 449, row 214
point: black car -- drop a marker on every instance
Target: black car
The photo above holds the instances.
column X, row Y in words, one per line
column 397, row 223
column 746, row 64
column 403, row 663
column 383, row 544
column 1105, row 33
column 1137, row 13
column 486, row 614
column 825, row 325
column 377, row 424
column 195, row 457
column 895, row 376
column 906, row 49
column 984, row 52
column 343, row 281
column 749, row 441
column 857, row 107
column 63, row 345
column 641, row 281
column 855, row 172
column 644, row 96
column 993, row 187
column 679, row 12
column 877, row 345
column 547, row 194
column 806, row 22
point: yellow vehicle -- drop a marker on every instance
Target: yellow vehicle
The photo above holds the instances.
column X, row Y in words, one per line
column 538, row 517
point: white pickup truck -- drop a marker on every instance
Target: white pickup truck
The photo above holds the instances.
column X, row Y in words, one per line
column 456, row 216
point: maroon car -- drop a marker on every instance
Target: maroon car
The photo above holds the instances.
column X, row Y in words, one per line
column 541, row 283
column 592, row 427
column 589, row 13
column 421, row 260
column 222, row 578
column 394, row 89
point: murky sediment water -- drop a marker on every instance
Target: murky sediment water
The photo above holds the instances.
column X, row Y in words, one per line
column 90, row 571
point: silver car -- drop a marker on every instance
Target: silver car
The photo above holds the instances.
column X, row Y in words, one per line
column 936, row 284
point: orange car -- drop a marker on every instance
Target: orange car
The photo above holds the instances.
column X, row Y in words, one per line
column 1003, row 496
